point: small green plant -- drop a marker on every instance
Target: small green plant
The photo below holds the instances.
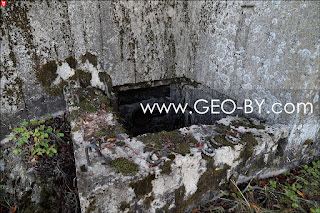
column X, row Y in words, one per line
column 35, row 138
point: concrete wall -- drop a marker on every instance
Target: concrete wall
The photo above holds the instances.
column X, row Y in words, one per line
column 241, row 49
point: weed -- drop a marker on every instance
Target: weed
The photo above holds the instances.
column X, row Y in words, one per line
column 35, row 138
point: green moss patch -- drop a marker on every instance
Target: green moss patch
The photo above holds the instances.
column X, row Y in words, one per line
column 182, row 149
column 179, row 198
column 166, row 168
column 108, row 132
column 83, row 77
column 171, row 156
column 247, row 152
column 257, row 164
column 86, row 106
column 222, row 129
column 247, row 124
column 124, row 166
column 90, row 100
column 72, row 62
column 104, row 77
column 163, row 137
column 147, row 202
column 46, row 75
column 308, row 142
column 90, row 57
column 222, row 140
column 143, row 186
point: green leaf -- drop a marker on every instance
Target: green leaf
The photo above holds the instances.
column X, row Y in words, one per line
column 295, row 205
column 41, row 121
column 60, row 135
column 49, row 130
column 49, row 117
column 17, row 151
column 33, row 122
column 25, row 123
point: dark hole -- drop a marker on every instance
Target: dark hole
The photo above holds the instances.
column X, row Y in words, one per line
column 174, row 91
column 136, row 121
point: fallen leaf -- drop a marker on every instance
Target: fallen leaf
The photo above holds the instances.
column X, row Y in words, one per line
column 300, row 193
column 14, row 209
column 254, row 206
column 111, row 139
column 262, row 182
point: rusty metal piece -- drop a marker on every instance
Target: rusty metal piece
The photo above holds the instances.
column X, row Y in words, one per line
column 94, row 146
column 153, row 162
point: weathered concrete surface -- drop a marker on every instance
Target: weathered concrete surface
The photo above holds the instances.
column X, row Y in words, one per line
column 156, row 173
column 241, row 49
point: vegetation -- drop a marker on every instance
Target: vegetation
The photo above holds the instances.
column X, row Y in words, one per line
column 293, row 191
column 35, row 138
column 124, row 166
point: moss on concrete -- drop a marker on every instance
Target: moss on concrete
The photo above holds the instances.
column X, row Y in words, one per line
column 209, row 180
column 124, row 166
column 106, row 79
column 171, row 156
column 90, row 57
column 72, row 115
column 222, row 140
column 87, row 106
column 147, row 202
column 84, row 78
column 166, row 168
column 143, row 186
column 179, row 194
column 47, row 73
column 108, row 132
column 308, row 142
column 247, row 123
column 72, row 62
column 162, row 137
column 222, row 129
column 259, row 163
column 182, row 149
column 124, row 205
column 247, row 151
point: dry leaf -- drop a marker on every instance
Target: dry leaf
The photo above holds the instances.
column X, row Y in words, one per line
column 254, row 206
column 111, row 139
column 300, row 193
column 14, row 209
